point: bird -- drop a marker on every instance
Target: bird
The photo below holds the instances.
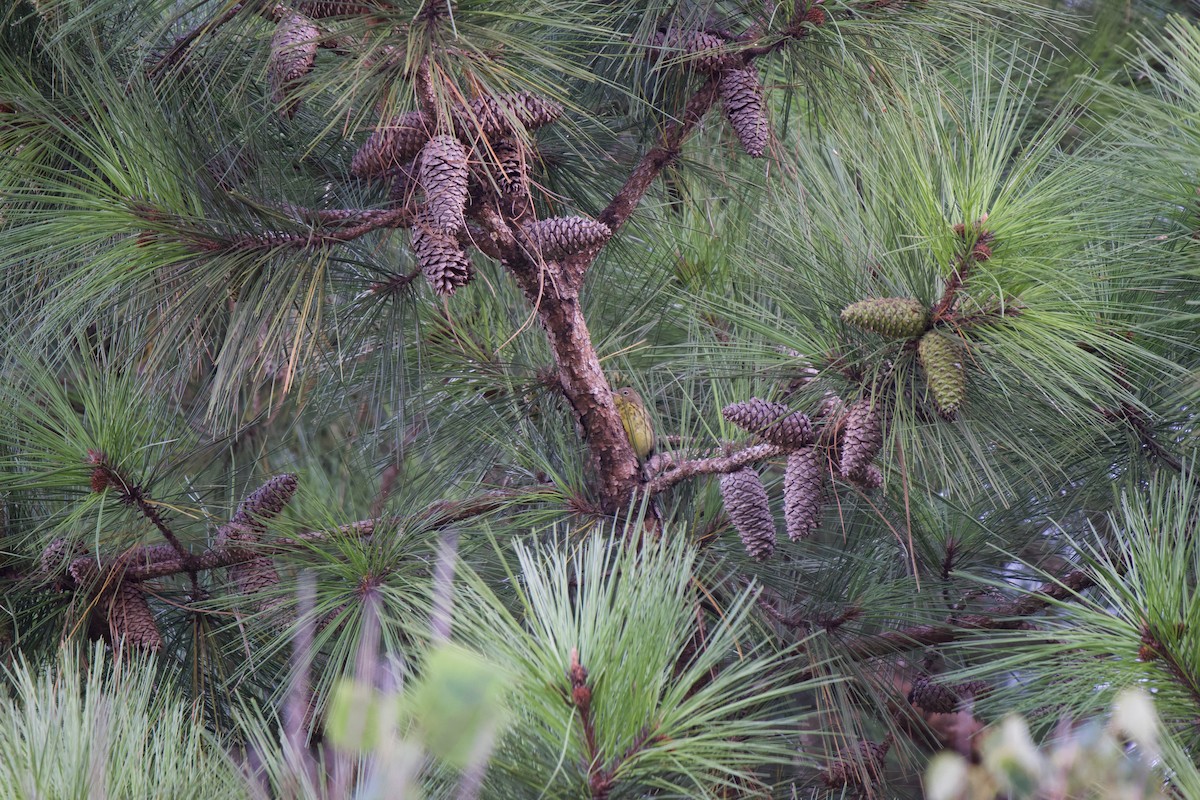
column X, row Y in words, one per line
column 636, row 422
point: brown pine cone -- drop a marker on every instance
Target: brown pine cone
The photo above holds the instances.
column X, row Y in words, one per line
column 53, row 557
column 54, row 562
column 803, row 492
column 498, row 115
column 559, row 237
column 442, row 260
column 512, row 167
column 770, row 422
column 940, row 698
column 261, row 505
column 83, row 571
column 754, row 414
column 249, row 522
column 862, row 437
column 320, row 9
column 849, row 772
column 831, row 405
column 255, row 575
column 699, row 50
column 742, row 100
column 746, row 503
column 869, row 477
column 293, row 51
column 130, row 619
column 444, row 178
column 391, row 146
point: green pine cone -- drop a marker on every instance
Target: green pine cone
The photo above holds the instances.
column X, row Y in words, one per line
column 896, row 317
column 942, row 359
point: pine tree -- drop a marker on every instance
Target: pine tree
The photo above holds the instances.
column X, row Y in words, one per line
column 313, row 315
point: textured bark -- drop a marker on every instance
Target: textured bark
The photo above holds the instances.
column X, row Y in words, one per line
column 555, row 296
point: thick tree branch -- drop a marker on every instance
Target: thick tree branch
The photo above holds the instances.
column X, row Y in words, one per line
column 555, row 296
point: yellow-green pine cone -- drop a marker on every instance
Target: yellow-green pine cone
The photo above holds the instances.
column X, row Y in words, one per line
column 636, row 421
column 942, row 359
column 894, row 317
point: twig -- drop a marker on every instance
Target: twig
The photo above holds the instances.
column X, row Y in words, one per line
column 393, row 218
column 1148, row 440
column 105, row 475
column 1174, row 666
column 1007, row 616
column 184, row 42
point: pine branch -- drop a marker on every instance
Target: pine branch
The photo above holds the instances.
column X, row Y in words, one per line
column 152, row 561
column 1174, row 666
column 181, row 44
column 371, row 221
column 599, row 779
column 104, row 475
column 1007, row 616
column 554, row 295
column 677, row 472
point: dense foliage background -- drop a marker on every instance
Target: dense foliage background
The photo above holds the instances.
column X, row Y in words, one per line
column 313, row 315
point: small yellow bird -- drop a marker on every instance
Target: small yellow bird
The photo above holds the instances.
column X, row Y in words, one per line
column 636, row 421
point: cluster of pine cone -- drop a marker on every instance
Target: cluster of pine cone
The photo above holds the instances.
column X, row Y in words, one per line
column 478, row 153
column 940, row 353
column 850, row 438
column 739, row 83
column 120, row 607
column 481, row 156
